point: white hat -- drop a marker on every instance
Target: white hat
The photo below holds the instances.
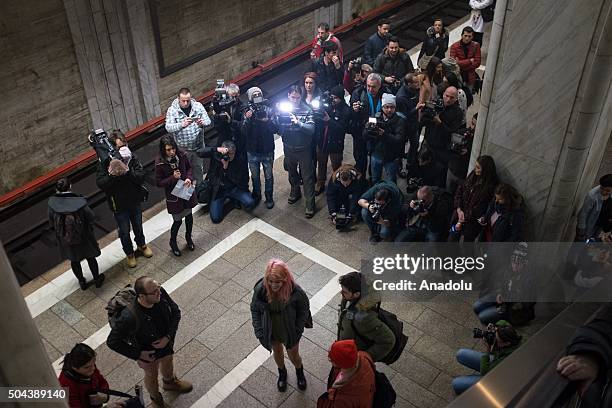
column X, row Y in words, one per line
column 251, row 91
column 126, row 154
column 388, row 99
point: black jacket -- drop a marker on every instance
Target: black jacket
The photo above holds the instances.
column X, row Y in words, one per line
column 431, row 42
column 439, row 213
column 259, row 134
column 230, row 130
column 295, row 315
column 397, row 66
column 328, row 76
column 359, row 119
column 406, row 101
column 438, row 137
column 391, row 143
column 432, row 174
column 66, row 203
column 374, row 45
column 301, row 136
column 236, row 174
column 128, row 343
column 509, row 225
column 331, row 139
column 337, row 195
column 122, row 192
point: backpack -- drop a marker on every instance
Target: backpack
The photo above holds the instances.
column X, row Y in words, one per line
column 69, row 227
column 384, row 396
column 397, row 327
column 125, row 298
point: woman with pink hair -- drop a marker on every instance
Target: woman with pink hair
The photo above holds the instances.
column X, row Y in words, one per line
column 280, row 310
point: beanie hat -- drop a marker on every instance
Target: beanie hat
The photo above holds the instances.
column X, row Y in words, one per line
column 338, row 91
column 343, row 353
column 251, row 91
column 388, row 99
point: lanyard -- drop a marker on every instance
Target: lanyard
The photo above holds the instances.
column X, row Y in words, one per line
column 372, row 112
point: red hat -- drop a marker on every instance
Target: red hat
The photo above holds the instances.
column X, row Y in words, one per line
column 343, row 353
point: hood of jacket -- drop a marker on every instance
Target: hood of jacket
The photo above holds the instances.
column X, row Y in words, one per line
column 65, row 203
column 431, row 32
column 370, row 298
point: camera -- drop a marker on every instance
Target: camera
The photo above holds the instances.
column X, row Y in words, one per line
column 323, row 104
column 431, row 109
column 414, row 183
column 460, row 140
column 419, row 206
column 258, row 107
column 221, row 100
column 357, row 63
column 342, row 218
column 374, row 124
column 488, row 335
column 376, row 215
column 98, row 139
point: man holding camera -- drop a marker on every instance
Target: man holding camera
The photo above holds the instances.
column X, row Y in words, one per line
column 428, row 217
column 227, row 117
column 258, row 129
column 386, row 139
column 406, row 101
column 121, row 180
column 185, row 120
column 365, row 104
column 355, row 75
column 392, row 64
column 328, row 67
column 343, row 192
column 442, row 125
column 376, row 42
column 297, row 129
column 501, row 339
column 381, row 209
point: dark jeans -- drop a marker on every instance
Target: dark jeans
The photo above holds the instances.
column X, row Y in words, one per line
column 360, row 154
column 414, row 234
column 234, row 193
column 124, row 218
column 266, row 160
column 377, row 164
column 375, row 228
column 306, row 161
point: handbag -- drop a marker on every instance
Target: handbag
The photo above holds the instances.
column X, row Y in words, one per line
column 423, row 62
column 203, row 191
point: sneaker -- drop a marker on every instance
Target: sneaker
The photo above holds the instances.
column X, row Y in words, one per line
column 146, row 251
column 99, row 280
column 176, row 385
column 83, row 284
column 309, row 213
column 131, row 261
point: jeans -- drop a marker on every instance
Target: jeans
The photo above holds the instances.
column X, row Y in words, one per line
column 196, row 165
column 377, row 165
column 375, row 228
column 266, row 160
column 486, row 309
column 414, row 234
column 360, row 154
column 124, row 218
column 216, row 206
column 470, row 359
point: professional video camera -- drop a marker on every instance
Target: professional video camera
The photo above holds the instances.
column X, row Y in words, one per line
column 419, row 206
column 323, row 104
column 374, row 124
column 284, row 112
column 357, row 63
column 258, row 107
column 342, row 218
column 221, row 100
column 488, row 335
column 98, row 139
column 461, row 139
column 431, row 109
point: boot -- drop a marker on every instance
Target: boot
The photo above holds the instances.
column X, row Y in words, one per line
column 174, row 247
column 99, row 280
column 269, row 202
column 188, row 231
column 157, row 401
column 294, row 196
column 83, row 284
column 131, row 261
column 146, row 251
column 301, row 379
column 281, row 384
column 257, row 197
column 176, row 385
column 190, row 243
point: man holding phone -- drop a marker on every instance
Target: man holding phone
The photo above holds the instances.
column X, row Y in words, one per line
column 185, row 120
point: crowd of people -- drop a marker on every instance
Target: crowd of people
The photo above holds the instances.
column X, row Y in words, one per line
column 405, row 122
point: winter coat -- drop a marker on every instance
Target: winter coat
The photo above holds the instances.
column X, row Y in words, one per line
column 236, row 174
column 66, row 203
column 190, row 137
column 123, row 340
column 359, row 320
column 589, row 212
column 231, row 131
column 473, row 198
column 328, row 75
column 392, row 210
column 359, row 119
column 259, row 135
column 468, row 69
column 164, row 176
column 331, row 139
column 79, row 387
column 388, row 65
column 299, row 137
column 509, row 224
column 357, row 391
column 439, row 213
column 374, row 45
column 406, row 100
column 337, row 194
column 122, row 192
column 390, row 145
column 295, row 314
column 431, row 42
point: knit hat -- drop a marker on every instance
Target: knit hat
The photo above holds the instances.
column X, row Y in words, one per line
column 388, row 99
column 338, row 91
column 126, row 154
column 251, row 91
column 343, row 354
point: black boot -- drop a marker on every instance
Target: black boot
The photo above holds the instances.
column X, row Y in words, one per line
column 174, row 247
column 301, row 379
column 188, row 230
column 83, row 284
column 174, row 229
column 269, row 202
column 281, row 384
column 99, row 280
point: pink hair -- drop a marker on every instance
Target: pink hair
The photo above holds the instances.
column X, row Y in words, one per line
column 280, row 271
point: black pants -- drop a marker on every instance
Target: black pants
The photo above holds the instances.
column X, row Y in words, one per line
column 479, row 38
column 78, row 271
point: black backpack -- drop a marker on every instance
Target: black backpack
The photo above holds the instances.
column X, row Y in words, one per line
column 69, row 227
column 384, row 396
column 397, row 327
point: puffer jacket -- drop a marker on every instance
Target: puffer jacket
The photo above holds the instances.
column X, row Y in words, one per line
column 431, row 42
column 359, row 320
column 295, row 315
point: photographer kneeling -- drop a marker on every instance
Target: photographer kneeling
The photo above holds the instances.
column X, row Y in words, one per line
column 227, row 179
column 501, row 340
column 428, row 217
column 344, row 189
column 381, row 208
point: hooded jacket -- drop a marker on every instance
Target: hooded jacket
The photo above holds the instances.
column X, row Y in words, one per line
column 355, row 392
column 431, row 42
column 67, row 203
column 359, row 320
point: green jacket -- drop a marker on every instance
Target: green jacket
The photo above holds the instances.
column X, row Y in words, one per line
column 359, row 321
column 392, row 210
column 487, row 364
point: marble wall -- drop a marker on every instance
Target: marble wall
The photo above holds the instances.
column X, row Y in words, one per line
column 534, row 128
